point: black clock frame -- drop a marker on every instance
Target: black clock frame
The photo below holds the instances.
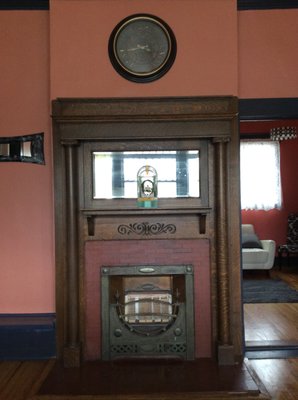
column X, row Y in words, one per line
column 145, row 78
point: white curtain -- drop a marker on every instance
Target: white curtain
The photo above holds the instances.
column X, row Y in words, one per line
column 260, row 175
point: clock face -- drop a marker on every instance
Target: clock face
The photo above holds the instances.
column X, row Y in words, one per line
column 142, row 48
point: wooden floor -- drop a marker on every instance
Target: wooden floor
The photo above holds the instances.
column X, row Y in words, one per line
column 276, row 322
column 21, row 380
column 280, row 377
column 271, row 322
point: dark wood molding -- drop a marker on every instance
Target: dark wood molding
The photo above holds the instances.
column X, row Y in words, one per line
column 244, row 5
column 136, row 109
column 24, row 5
column 268, row 109
column 138, row 123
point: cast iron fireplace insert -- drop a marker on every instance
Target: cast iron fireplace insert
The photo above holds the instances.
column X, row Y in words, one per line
column 147, row 311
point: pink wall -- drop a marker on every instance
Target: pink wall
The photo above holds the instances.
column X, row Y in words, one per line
column 26, row 212
column 268, row 61
column 206, row 62
column 209, row 34
column 268, row 55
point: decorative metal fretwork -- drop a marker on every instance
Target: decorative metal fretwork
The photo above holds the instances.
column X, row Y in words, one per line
column 146, row 229
column 127, row 349
column 172, row 348
column 124, row 348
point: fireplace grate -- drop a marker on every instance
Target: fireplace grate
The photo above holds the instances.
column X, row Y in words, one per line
column 144, row 312
column 147, row 313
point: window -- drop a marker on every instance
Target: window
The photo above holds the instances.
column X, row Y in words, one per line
column 260, row 175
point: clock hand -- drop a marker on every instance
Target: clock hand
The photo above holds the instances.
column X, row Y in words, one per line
column 139, row 47
column 144, row 47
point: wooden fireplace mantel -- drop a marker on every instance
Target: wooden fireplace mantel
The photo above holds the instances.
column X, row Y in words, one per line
column 96, row 217
column 145, row 123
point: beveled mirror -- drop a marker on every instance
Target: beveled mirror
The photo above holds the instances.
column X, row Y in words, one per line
column 115, row 173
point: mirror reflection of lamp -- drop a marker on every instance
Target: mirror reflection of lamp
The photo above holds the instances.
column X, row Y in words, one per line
column 147, row 187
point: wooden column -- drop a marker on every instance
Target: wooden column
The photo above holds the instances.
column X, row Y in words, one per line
column 72, row 351
column 225, row 348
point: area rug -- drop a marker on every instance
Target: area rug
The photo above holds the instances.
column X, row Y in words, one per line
column 268, row 291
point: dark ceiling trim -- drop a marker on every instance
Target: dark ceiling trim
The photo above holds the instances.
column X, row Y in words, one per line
column 266, row 4
column 242, row 5
column 268, row 109
column 24, row 5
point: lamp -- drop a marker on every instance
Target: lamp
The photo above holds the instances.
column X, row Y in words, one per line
column 147, row 187
column 283, row 133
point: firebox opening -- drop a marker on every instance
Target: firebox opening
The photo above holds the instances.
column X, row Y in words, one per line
column 147, row 305
column 149, row 311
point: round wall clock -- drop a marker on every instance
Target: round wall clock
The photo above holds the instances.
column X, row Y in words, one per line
column 142, row 48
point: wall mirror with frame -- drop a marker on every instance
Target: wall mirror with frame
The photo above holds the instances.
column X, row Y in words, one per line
column 178, row 173
column 27, row 148
column 182, row 173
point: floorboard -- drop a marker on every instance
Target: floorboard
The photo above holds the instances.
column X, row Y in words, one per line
column 7, row 371
column 22, row 379
column 270, row 322
column 280, row 377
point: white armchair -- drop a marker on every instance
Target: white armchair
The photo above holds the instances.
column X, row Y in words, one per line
column 256, row 254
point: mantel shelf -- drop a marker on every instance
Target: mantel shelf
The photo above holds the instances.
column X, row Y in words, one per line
column 92, row 215
column 106, row 212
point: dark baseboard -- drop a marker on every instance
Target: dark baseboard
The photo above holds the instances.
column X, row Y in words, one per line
column 271, row 349
column 287, row 263
column 27, row 336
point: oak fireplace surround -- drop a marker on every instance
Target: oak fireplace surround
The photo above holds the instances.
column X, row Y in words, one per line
column 201, row 232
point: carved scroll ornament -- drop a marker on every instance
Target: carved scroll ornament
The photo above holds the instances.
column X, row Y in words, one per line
column 144, row 228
